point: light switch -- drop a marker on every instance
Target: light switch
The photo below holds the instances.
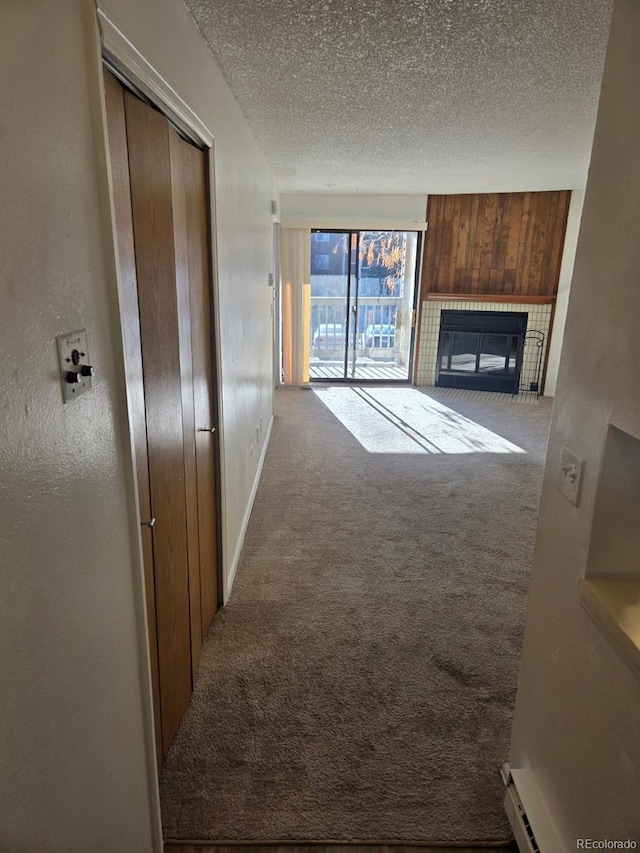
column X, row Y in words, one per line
column 76, row 370
column 570, row 475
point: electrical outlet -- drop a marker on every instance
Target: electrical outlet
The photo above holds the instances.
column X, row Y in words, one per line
column 570, row 475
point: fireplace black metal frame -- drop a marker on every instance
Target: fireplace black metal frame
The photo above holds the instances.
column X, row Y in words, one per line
column 510, row 325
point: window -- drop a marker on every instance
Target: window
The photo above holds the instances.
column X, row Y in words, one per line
column 320, row 263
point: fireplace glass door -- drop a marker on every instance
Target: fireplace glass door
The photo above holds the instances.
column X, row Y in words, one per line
column 481, row 350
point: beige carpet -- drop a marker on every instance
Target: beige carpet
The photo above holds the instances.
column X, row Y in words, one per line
column 360, row 683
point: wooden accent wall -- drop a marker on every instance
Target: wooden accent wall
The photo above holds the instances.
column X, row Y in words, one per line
column 495, row 245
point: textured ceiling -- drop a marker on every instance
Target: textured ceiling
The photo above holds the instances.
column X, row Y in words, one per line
column 415, row 96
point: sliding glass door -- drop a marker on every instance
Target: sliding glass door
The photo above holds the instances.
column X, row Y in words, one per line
column 362, row 305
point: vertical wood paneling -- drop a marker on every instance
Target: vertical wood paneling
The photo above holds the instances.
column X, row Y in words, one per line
column 428, row 262
column 495, row 244
column 488, row 240
column 522, row 266
column 500, row 239
column 513, row 237
column 455, row 237
column 551, row 232
column 464, row 218
column 438, row 203
column 555, row 260
column 509, row 285
column 527, row 243
column 476, row 250
column 473, row 230
column 445, row 241
column 535, row 283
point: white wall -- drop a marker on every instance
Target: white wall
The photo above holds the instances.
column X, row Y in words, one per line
column 76, row 760
column 74, row 772
column 576, row 721
column 353, row 211
column 564, row 287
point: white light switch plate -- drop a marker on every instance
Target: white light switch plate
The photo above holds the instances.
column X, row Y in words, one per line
column 73, row 355
column 570, row 475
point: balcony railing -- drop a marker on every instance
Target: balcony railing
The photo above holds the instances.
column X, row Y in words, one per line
column 375, row 325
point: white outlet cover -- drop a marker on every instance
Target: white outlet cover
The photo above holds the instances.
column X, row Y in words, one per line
column 570, row 475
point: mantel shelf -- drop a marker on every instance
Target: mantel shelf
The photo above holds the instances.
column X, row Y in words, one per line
column 614, row 604
column 490, row 297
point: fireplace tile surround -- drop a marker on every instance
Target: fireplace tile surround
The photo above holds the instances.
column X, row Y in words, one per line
column 539, row 318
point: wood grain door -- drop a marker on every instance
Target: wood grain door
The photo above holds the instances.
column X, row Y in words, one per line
column 160, row 197
column 189, row 167
column 153, row 223
column 130, row 317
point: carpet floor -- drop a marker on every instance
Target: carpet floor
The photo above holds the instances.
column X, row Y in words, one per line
column 359, row 685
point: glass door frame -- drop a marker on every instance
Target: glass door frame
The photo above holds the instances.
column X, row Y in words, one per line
column 352, row 309
column 350, row 342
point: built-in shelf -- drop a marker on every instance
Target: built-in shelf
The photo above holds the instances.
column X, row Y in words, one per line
column 614, row 605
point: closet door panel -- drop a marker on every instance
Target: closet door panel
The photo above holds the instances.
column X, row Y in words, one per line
column 180, row 226
column 149, row 163
column 204, row 384
column 128, row 295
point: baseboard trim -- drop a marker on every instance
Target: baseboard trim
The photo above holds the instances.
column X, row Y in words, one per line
column 231, row 574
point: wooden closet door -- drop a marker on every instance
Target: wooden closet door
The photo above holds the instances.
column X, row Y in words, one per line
column 181, row 237
column 128, row 295
column 190, row 164
column 151, row 201
column 161, row 212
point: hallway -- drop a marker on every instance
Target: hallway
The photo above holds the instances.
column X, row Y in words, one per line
column 360, row 683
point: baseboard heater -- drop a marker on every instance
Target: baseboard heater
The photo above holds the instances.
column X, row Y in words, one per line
column 532, row 827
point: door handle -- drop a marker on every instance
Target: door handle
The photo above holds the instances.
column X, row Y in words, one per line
column 204, row 429
column 150, row 523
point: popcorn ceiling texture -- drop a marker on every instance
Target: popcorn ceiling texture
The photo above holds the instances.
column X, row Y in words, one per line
column 416, row 96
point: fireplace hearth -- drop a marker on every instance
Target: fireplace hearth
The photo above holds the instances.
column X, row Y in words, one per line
column 481, row 350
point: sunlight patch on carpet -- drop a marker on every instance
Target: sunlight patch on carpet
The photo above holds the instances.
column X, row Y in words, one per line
column 404, row 420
